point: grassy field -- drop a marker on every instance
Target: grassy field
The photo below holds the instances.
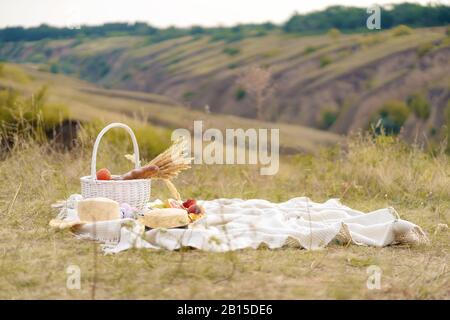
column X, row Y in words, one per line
column 366, row 176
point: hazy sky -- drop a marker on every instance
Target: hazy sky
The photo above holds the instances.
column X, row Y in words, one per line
column 163, row 13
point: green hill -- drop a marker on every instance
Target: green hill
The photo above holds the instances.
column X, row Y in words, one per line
column 337, row 82
column 89, row 102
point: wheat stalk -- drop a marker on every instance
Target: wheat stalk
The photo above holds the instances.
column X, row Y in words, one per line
column 170, row 162
column 173, row 190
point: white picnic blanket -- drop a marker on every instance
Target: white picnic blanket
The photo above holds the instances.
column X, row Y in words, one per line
column 232, row 224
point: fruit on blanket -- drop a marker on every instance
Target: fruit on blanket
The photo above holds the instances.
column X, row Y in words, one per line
column 196, row 209
column 191, row 209
column 103, row 174
column 196, row 212
column 172, row 203
column 165, row 218
column 194, row 217
column 189, row 202
column 98, row 209
column 142, row 173
column 158, row 206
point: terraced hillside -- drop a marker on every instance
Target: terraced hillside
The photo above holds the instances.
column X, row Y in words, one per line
column 87, row 101
column 334, row 82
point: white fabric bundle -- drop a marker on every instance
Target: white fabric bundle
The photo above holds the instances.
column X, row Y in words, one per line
column 232, row 224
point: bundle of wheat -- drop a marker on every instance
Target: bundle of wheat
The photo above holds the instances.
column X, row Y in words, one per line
column 172, row 161
column 169, row 163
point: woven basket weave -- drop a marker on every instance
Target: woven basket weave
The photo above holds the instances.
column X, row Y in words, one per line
column 134, row 192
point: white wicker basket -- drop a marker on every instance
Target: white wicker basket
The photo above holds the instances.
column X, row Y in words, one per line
column 134, row 192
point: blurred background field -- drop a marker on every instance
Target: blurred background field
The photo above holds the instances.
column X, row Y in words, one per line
column 363, row 115
column 321, row 70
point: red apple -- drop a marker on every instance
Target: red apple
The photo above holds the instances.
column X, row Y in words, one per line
column 196, row 209
column 103, row 174
column 189, row 202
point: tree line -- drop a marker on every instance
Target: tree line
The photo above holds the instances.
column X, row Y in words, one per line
column 340, row 17
column 353, row 18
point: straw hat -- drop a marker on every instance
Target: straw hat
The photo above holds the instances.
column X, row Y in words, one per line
column 88, row 211
column 165, row 218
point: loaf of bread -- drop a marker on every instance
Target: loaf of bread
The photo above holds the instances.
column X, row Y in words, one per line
column 98, row 209
column 165, row 218
column 142, row 173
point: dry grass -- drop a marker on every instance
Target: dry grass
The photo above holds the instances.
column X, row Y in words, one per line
column 370, row 175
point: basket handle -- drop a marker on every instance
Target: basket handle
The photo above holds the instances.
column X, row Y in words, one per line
column 99, row 138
